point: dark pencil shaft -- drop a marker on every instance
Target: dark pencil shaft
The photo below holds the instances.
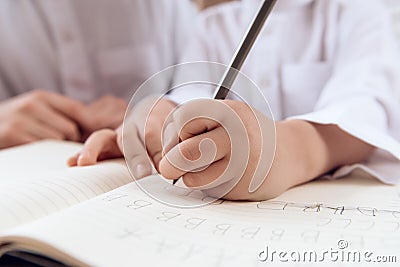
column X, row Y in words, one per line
column 244, row 49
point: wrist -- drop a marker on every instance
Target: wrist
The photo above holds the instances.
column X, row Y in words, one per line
column 300, row 149
column 321, row 148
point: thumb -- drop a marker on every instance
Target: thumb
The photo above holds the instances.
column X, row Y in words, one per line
column 135, row 154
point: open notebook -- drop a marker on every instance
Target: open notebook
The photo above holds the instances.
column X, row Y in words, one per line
column 96, row 216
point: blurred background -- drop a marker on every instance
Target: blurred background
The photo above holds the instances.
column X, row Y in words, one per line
column 394, row 6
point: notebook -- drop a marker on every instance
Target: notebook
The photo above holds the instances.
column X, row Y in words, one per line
column 53, row 215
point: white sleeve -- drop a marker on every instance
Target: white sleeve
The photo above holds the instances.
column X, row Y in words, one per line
column 183, row 29
column 360, row 96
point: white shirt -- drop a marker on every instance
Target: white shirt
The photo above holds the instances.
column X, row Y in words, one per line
column 324, row 61
column 88, row 48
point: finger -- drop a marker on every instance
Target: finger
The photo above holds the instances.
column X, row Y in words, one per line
column 69, row 107
column 119, row 132
column 194, row 118
column 42, row 131
column 110, row 100
column 196, row 127
column 73, row 161
column 206, row 176
column 22, row 139
column 17, row 138
column 36, row 129
column 64, row 126
column 188, row 116
column 100, row 145
column 195, row 153
column 154, row 124
column 26, row 139
column 152, row 137
column 107, row 112
column 171, row 138
column 134, row 152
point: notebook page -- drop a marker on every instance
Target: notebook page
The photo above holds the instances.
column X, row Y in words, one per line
column 37, row 191
column 39, row 157
column 126, row 227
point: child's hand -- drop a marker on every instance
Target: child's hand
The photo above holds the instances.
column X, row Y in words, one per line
column 304, row 151
column 101, row 145
column 226, row 152
column 226, row 148
column 107, row 144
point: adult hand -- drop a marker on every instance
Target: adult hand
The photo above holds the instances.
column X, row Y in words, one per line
column 105, row 113
column 39, row 115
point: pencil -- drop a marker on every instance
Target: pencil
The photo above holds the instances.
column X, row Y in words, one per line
column 242, row 52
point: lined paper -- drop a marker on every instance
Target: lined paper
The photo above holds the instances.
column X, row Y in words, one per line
column 126, row 227
column 38, row 157
column 45, row 184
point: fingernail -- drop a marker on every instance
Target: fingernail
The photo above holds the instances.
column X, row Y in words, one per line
column 83, row 158
column 141, row 170
column 71, row 162
column 79, row 160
